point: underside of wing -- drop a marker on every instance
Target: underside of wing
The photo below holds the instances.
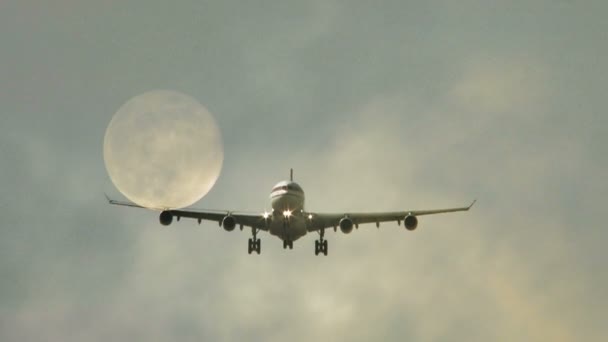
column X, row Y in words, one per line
column 227, row 219
column 346, row 221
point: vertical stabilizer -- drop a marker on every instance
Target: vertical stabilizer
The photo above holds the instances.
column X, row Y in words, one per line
column 291, row 175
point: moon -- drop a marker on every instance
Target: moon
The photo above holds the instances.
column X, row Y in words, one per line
column 163, row 150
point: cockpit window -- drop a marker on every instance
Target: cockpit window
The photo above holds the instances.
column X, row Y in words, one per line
column 289, row 187
column 294, row 187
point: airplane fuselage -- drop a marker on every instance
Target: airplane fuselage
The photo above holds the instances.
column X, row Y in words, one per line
column 288, row 220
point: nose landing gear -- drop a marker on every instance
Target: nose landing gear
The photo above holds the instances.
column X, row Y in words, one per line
column 287, row 244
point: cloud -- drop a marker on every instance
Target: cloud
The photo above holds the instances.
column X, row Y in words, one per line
column 362, row 134
column 460, row 276
column 499, row 84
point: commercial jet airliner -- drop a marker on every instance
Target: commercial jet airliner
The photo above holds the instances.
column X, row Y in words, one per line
column 289, row 221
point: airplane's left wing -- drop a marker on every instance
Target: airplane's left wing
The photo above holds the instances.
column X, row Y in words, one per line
column 223, row 217
column 320, row 221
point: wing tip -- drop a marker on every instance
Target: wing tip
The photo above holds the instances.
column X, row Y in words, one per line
column 126, row 203
column 472, row 203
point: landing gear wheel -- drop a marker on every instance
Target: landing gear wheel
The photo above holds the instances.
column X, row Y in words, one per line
column 287, row 244
column 255, row 245
column 321, row 244
column 320, row 247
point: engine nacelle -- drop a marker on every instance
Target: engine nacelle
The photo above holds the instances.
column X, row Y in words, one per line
column 346, row 225
column 410, row 222
column 165, row 218
column 229, row 222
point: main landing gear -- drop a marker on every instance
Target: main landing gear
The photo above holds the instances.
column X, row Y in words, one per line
column 255, row 245
column 321, row 244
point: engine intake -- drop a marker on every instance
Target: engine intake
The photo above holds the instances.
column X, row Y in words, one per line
column 165, row 218
column 346, row 225
column 229, row 222
column 410, row 222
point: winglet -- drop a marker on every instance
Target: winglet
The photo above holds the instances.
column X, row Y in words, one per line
column 470, row 206
column 112, row 201
column 291, row 175
column 123, row 203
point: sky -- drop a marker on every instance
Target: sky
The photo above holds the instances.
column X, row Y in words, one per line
column 385, row 105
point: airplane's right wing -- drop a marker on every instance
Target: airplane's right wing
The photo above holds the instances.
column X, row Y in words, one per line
column 257, row 221
column 253, row 220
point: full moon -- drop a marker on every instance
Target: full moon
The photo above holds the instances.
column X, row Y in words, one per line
column 163, row 150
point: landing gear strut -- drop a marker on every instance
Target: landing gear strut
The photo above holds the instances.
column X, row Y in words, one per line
column 255, row 245
column 286, row 243
column 321, row 244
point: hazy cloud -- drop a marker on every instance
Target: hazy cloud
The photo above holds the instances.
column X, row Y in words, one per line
column 377, row 107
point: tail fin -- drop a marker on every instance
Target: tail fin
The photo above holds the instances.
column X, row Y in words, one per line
column 291, row 175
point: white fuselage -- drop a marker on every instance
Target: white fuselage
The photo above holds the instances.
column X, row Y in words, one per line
column 287, row 220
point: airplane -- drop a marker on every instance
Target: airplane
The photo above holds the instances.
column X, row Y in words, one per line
column 289, row 221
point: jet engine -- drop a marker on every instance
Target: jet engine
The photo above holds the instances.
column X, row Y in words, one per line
column 410, row 222
column 346, row 225
column 165, row 218
column 229, row 222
